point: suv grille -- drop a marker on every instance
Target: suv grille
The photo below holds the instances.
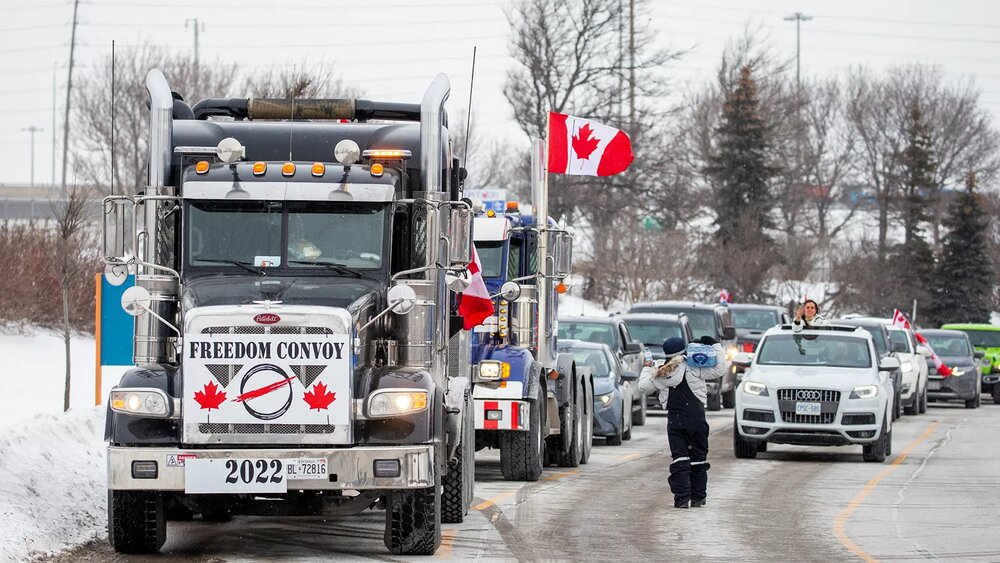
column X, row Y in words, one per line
column 829, row 402
column 791, row 417
column 809, row 395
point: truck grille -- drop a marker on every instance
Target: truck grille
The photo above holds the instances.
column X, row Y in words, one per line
column 265, row 429
column 266, row 330
column 810, row 395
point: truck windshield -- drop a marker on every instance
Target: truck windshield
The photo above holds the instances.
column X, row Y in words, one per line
column 491, row 257
column 814, row 350
column 296, row 234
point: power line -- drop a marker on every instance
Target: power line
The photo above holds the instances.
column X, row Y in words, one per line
column 325, row 6
column 32, row 27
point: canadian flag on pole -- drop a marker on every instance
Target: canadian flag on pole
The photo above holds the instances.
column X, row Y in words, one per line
column 900, row 320
column 583, row 147
column 474, row 304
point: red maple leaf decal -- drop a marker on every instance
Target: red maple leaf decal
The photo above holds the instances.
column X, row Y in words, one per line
column 583, row 142
column 210, row 398
column 319, row 398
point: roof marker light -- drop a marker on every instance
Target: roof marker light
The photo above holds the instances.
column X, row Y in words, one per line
column 387, row 154
column 377, row 169
column 318, row 169
column 288, row 169
column 201, row 167
column 259, row 168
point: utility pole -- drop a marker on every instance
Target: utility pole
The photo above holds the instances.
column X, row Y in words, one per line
column 69, row 90
column 55, row 70
column 798, row 18
column 32, row 130
column 194, row 23
column 631, row 66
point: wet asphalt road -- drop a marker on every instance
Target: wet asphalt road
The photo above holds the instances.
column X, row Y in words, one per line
column 937, row 497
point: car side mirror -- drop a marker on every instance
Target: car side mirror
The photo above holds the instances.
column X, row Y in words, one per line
column 924, row 351
column 743, row 359
column 979, row 354
column 729, row 333
column 888, row 364
column 633, row 347
column 630, row 376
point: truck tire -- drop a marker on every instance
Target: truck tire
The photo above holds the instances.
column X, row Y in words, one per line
column 876, row 451
column 729, row 398
column 413, row 521
column 714, row 401
column 523, row 452
column 639, row 416
column 457, row 485
column 575, row 454
column 137, row 522
column 742, row 448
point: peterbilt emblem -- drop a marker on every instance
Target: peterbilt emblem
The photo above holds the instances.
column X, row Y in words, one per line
column 266, row 318
column 807, row 395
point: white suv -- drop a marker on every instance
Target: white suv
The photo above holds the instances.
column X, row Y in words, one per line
column 823, row 386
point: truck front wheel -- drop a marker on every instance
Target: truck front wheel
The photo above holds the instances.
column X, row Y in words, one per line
column 137, row 522
column 413, row 521
column 522, row 452
column 457, row 490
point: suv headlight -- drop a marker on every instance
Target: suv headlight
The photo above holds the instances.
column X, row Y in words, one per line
column 906, row 365
column 755, row 388
column 396, row 402
column 864, row 392
column 957, row 371
column 493, row 370
column 144, row 402
column 604, row 399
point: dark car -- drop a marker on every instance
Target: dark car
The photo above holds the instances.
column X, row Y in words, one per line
column 955, row 350
column 880, row 334
column 614, row 388
column 613, row 332
column 713, row 320
column 652, row 329
column 752, row 320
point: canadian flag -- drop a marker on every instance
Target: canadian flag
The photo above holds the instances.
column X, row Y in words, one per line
column 900, row 320
column 724, row 296
column 474, row 304
column 583, row 147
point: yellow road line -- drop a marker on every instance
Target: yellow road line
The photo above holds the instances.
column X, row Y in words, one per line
column 490, row 502
column 560, row 475
column 839, row 528
column 630, row 457
column 447, row 537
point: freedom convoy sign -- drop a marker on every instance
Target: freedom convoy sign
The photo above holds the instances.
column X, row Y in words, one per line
column 270, row 379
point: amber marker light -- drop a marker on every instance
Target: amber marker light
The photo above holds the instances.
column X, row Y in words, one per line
column 201, row 167
column 288, row 169
column 491, row 213
column 259, row 168
column 377, row 169
column 560, row 288
column 318, row 169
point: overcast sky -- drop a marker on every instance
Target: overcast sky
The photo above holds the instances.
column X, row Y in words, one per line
column 392, row 49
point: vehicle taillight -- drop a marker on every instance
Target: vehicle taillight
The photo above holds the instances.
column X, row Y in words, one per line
column 748, row 347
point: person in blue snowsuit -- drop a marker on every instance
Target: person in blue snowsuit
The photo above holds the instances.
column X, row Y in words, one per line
column 684, row 394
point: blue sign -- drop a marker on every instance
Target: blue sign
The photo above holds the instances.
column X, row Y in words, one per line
column 117, row 326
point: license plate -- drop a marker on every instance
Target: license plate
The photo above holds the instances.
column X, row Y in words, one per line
column 808, row 408
column 933, row 385
column 306, row 468
column 245, row 475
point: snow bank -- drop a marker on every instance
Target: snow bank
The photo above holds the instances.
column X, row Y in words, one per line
column 570, row 306
column 52, row 483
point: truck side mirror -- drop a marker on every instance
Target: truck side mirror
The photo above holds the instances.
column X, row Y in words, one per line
column 402, row 299
column 136, row 300
column 117, row 229
column 564, row 254
column 510, row 291
column 729, row 333
column 460, row 236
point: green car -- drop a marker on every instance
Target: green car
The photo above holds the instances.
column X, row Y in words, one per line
column 985, row 338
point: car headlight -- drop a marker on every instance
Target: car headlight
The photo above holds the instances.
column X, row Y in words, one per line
column 755, row 388
column 493, row 370
column 604, row 399
column 957, row 371
column 864, row 392
column 731, row 352
column 145, row 402
column 906, row 366
column 396, row 402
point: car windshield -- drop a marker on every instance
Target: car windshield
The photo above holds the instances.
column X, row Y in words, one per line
column 947, row 345
column 588, row 332
column 491, row 257
column 594, row 359
column 814, row 350
column 653, row 334
column 754, row 320
column 332, row 235
column 984, row 338
column 899, row 337
column 702, row 321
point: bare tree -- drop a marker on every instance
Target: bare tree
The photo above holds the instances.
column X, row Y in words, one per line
column 302, row 80
column 70, row 247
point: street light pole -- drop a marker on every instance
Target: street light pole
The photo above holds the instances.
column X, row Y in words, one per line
column 798, row 18
column 32, row 130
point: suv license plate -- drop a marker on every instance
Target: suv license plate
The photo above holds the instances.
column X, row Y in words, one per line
column 245, row 475
column 808, row 408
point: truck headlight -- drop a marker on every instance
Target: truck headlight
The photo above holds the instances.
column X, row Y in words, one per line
column 395, row 402
column 493, row 370
column 864, row 392
column 143, row 402
column 755, row 388
column 604, row 399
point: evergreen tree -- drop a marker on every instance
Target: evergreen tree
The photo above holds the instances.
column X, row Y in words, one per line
column 739, row 169
column 917, row 174
column 964, row 277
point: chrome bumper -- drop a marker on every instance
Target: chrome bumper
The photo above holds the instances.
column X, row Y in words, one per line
column 349, row 468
